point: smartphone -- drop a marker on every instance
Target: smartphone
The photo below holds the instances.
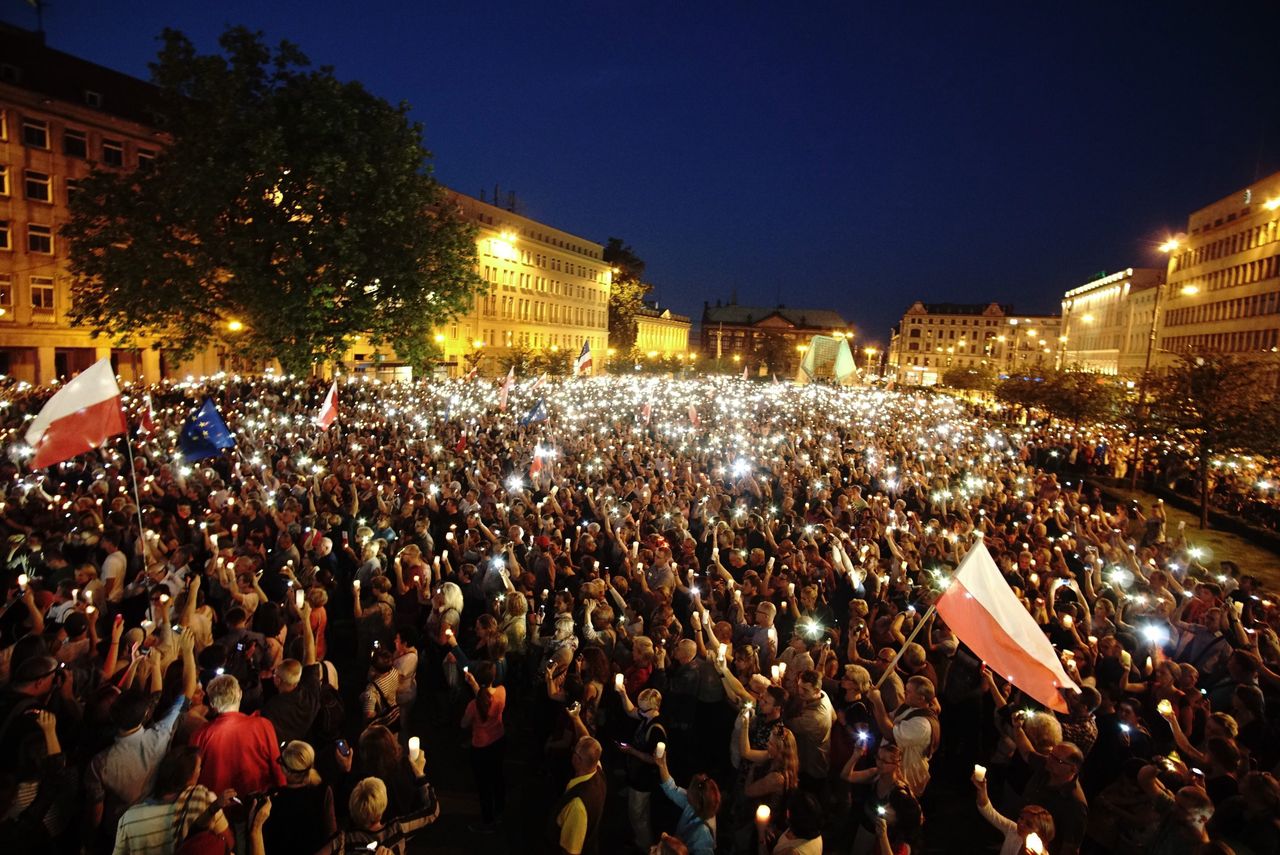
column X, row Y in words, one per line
column 343, row 748
column 346, row 538
column 623, row 745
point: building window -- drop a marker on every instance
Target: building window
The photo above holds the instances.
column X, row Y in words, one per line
column 75, row 144
column 4, row 125
column 40, row 239
column 112, row 153
column 6, row 290
column 4, row 235
column 4, row 179
column 73, row 187
column 35, row 133
column 146, row 158
column 42, row 293
column 93, row 99
column 37, row 186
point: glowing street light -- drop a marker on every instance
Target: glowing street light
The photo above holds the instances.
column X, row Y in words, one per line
column 1170, row 245
column 234, row 325
column 1190, row 290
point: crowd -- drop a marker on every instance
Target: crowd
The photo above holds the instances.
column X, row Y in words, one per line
column 704, row 606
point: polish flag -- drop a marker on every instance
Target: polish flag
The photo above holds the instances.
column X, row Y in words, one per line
column 693, row 416
column 986, row 615
column 83, row 415
column 646, row 412
column 744, row 372
column 147, row 421
column 461, row 445
column 538, row 382
column 506, row 389
column 329, row 409
column 535, row 468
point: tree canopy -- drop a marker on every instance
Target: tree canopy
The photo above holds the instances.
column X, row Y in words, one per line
column 1219, row 403
column 289, row 213
column 626, row 294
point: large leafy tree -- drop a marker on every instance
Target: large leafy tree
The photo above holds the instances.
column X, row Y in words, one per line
column 979, row 378
column 1080, row 396
column 1219, row 403
column 294, row 208
column 626, row 294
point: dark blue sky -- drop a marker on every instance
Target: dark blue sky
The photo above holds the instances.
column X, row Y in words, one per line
column 847, row 155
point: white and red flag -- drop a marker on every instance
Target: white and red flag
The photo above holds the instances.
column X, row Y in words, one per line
column 329, row 409
column 147, row 418
column 745, row 375
column 538, row 382
column 81, row 416
column 535, row 468
column 693, row 416
column 986, row 615
column 506, row 389
column 646, row 412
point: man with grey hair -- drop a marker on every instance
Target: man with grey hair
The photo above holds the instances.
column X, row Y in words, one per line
column 241, row 752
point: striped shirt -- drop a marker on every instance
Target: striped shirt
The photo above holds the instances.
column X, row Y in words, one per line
column 155, row 827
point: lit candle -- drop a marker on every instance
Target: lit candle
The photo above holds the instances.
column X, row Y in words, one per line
column 617, row 681
column 763, row 813
column 1034, row 844
column 1068, row 621
column 979, row 772
column 415, row 747
column 1164, row 707
column 298, row 598
column 22, row 581
column 660, row 750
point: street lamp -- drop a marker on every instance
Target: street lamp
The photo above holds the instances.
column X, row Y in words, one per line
column 1170, row 245
column 870, row 352
column 234, row 325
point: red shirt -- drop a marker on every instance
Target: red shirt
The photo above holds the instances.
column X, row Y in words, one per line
column 240, row 752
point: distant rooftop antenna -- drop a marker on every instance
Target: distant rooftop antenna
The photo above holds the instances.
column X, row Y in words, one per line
column 511, row 201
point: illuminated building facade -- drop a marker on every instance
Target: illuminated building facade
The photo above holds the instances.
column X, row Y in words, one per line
column 933, row 337
column 545, row 290
column 1224, row 277
column 661, row 333
column 1106, row 322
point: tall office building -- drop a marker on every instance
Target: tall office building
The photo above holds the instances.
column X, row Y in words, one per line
column 1224, row 277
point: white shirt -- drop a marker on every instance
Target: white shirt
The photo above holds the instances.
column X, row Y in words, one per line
column 914, row 737
column 114, row 568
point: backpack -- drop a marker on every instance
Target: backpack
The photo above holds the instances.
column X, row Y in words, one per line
column 327, row 726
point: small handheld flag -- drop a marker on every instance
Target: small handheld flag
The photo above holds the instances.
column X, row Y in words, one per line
column 537, row 414
column 329, row 409
column 205, row 434
column 506, row 389
column 583, row 363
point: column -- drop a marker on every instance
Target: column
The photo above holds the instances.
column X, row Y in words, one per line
column 150, row 366
column 45, row 368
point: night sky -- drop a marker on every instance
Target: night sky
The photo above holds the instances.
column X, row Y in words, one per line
column 852, row 156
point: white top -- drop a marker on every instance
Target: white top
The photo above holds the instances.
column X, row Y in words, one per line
column 914, row 737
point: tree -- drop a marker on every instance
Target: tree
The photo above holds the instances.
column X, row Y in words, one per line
column 521, row 358
column 557, row 363
column 772, row 351
column 1022, row 391
column 1079, row 396
column 297, row 208
column 626, row 293
column 1218, row 403
column 980, row 378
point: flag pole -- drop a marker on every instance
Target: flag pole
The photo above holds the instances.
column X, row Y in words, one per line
column 137, row 497
column 924, row 620
column 910, row 638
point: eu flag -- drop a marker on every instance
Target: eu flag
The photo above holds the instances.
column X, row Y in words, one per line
column 537, row 414
column 205, row 434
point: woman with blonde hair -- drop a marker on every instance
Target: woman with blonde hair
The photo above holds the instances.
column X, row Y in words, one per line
column 302, row 813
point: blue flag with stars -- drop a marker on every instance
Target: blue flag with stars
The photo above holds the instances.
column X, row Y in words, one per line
column 537, row 414
column 205, row 434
